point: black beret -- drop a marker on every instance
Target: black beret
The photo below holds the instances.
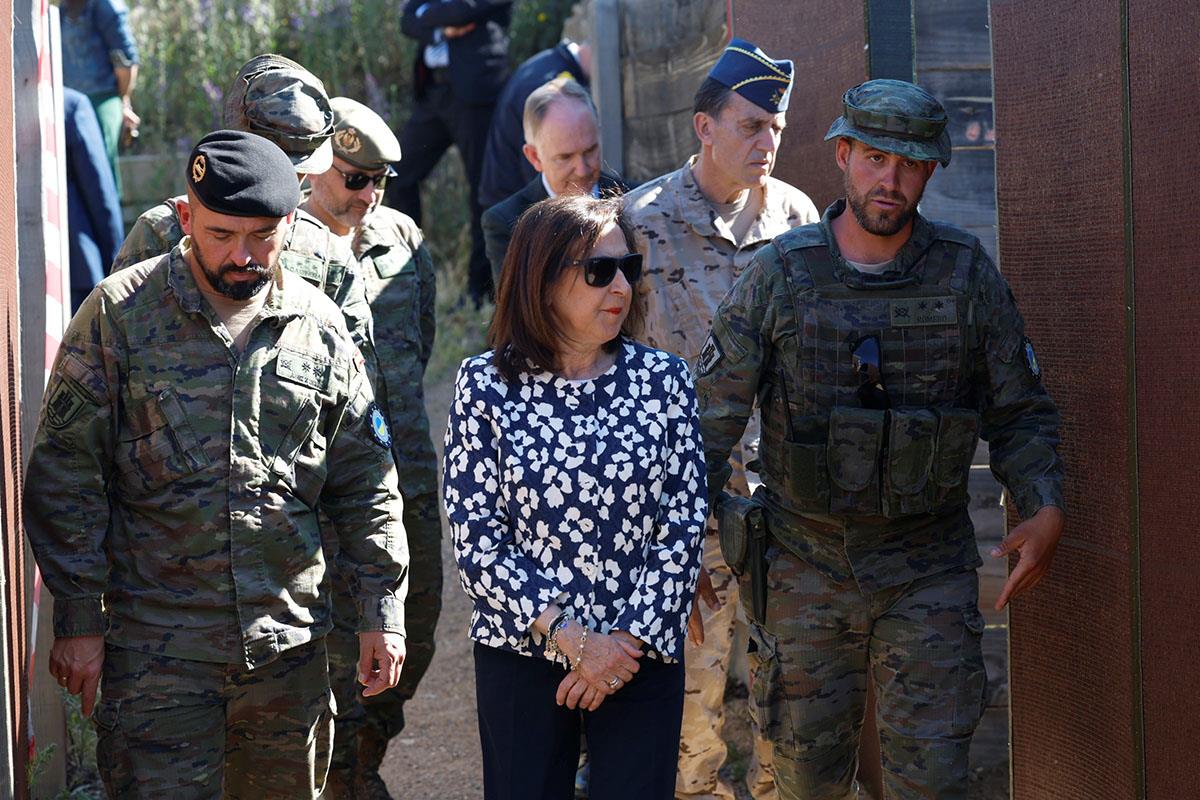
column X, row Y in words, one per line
column 243, row 175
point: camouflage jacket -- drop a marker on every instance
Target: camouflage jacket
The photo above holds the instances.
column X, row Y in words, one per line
column 173, row 487
column 692, row 260
column 879, row 496
column 397, row 273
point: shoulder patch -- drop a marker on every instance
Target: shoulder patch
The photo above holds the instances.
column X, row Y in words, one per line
column 378, row 426
column 710, row 355
column 1035, row 369
column 64, row 404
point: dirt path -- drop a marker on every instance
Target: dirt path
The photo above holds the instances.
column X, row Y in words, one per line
column 437, row 755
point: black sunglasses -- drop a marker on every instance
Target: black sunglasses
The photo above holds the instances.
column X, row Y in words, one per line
column 356, row 181
column 868, row 362
column 599, row 271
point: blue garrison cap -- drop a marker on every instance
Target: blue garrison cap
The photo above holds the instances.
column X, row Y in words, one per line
column 751, row 73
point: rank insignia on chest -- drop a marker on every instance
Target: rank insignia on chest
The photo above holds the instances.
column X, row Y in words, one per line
column 303, row 369
column 1035, row 369
column 918, row 311
column 379, row 427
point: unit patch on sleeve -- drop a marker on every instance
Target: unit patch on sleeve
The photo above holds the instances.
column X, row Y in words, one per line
column 379, row 427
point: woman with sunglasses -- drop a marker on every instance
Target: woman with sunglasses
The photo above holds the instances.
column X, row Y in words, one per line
column 574, row 485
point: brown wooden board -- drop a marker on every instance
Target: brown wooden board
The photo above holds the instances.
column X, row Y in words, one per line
column 955, row 33
column 1060, row 181
column 1164, row 37
column 826, row 40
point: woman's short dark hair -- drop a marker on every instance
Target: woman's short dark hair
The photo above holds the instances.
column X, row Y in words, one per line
column 550, row 235
column 711, row 98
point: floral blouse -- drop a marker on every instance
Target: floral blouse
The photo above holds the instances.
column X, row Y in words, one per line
column 589, row 493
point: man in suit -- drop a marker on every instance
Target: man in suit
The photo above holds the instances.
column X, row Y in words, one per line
column 562, row 143
column 505, row 168
column 461, row 66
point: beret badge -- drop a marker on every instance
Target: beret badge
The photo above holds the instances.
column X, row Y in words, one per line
column 347, row 140
column 199, row 168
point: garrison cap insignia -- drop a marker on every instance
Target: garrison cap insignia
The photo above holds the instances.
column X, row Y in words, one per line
column 379, row 427
column 1035, row 369
column 199, row 168
column 347, row 141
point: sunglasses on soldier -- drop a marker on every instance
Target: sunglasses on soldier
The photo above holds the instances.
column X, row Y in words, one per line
column 868, row 363
column 356, row 181
column 599, row 271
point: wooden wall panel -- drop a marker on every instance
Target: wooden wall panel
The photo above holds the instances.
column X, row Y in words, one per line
column 1063, row 214
column 1165, row 156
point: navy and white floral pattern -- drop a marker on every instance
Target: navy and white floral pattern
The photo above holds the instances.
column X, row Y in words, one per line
column 588, row 493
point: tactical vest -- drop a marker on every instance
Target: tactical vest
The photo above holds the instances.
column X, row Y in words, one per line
column 310, row 252
column 822, row 450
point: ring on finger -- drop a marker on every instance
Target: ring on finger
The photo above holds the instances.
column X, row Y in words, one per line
column 614, row 682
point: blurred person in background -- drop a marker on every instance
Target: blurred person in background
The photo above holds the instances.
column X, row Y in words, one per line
column 572, row 485
column 100, row 59
column 94, row 224
column 562, row 146
column 398, row 275
column 505, row 168
column 461, row 66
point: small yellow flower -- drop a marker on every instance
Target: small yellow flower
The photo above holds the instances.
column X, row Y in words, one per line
column 541, row 16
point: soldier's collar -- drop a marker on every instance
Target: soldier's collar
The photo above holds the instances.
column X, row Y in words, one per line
column 181, row 281
column 912, row 251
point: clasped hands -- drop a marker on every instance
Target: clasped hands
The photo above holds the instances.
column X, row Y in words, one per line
column 607, row 663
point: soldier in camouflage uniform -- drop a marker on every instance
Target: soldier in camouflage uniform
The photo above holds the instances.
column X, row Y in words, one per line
column 878, row 347
column 398, row 274
column 280, row 100
column 698, row 228
column 203, row 407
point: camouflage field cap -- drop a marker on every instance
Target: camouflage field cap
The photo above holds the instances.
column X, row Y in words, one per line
column 361, row 137
column 896, row 117
column 281, row 101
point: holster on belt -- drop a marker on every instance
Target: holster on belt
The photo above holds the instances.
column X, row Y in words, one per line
column 743, row 535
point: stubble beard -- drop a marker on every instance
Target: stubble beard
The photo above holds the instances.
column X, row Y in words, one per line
column 880, row 224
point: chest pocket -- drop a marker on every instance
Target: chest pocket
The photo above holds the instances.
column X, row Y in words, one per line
column 295, row 389
column 157, row 444
column 681, row 325
column 394, row 293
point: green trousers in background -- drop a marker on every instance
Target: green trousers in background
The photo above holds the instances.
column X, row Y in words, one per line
column 111, row 113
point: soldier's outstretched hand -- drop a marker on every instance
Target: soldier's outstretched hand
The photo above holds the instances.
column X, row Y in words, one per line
column 1034, row 541
column 76, row 663
column 380, row 657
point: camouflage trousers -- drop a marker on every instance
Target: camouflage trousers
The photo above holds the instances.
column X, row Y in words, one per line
column 384, row 713
column 702, row 751
column 195, row 730
column 920, row 643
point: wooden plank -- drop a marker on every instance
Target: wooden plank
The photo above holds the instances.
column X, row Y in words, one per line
column 952, row 33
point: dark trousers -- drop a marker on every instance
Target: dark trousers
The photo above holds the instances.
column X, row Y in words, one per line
column 531, row 745
column 439, row 120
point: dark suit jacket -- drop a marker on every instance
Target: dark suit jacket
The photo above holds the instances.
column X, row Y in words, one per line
column 478, row 61
column 499, row 220
column 505, row 168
